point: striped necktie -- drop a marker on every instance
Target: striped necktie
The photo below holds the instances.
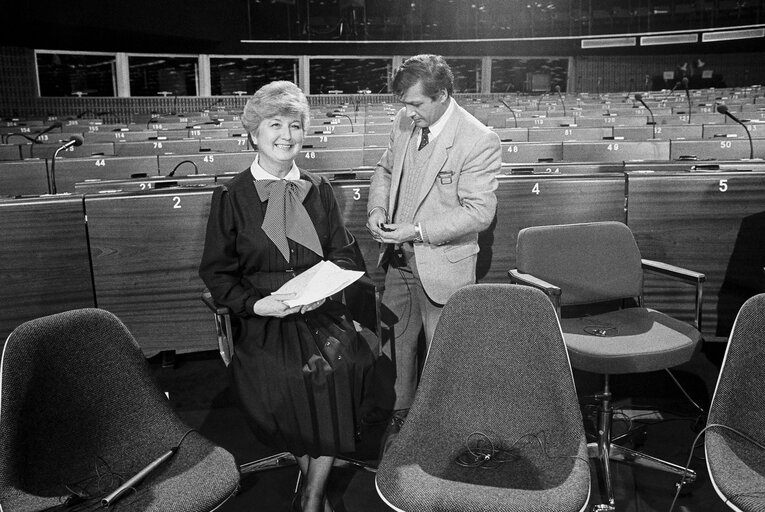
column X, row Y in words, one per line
column 424, row 138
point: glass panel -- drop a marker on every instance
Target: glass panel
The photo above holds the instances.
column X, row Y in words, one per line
column 528, row 75
column 150, row 76
column 467, row 74
column 234, row 75
column 63, row 74
column 349, row 76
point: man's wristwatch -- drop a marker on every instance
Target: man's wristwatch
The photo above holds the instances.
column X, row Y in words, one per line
column 418, row 236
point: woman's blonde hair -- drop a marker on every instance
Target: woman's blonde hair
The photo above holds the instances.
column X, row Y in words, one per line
column 273, row 99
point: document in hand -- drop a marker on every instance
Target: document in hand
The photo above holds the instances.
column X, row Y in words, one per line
column 318, row 282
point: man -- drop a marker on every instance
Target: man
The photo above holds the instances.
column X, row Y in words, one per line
column 431, row 194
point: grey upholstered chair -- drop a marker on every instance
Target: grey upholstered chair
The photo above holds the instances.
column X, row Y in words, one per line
column 80, row 415
column 497, row 383
column 593, row 272
column 735, row 436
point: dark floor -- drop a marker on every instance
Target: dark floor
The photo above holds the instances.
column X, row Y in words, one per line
column 198, row 388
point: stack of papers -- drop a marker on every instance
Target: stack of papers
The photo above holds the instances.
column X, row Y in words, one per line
column 318, row 282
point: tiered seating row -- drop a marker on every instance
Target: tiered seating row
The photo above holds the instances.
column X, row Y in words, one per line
column 137, row 253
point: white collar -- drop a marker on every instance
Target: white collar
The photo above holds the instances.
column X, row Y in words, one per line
column 439, row 125
column 261, row 174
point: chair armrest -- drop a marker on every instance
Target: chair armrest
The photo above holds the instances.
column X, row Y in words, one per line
column 673, row 271
column 689, row 276
column 212, row 305
column 549, row 289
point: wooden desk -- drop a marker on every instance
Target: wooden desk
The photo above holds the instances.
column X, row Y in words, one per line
column 146, row 250
column 710, row 222
column 44, row 266
column 329, row 159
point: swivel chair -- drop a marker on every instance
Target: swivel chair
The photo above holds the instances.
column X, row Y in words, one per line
column 734, row 440
column 495, row 425
column 593, row 273
column 83, row 423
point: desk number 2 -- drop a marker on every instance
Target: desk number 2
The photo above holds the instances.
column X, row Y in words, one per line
column 176, row 202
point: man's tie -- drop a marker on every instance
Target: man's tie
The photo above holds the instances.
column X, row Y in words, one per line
column 424, row 139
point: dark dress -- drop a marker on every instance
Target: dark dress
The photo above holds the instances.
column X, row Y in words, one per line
column 295, row 397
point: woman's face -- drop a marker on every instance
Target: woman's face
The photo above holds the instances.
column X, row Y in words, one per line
column 279, row 140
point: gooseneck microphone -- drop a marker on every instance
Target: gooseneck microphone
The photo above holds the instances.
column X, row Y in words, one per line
column 74, row 140
column 723, row 109
column 563, row 102
column 639, row 97
column 515, row 119
column 53, row 126
column 338, row 114
column 688, row 96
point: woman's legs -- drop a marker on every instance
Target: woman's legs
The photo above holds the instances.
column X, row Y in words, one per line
column 315, row 475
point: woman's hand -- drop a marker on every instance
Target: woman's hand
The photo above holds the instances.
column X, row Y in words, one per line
column 312, row 306
column 273, row 305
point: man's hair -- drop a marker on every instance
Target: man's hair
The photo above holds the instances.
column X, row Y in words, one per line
column 432, row 70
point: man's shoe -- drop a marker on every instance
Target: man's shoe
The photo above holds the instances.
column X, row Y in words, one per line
column 391, row 431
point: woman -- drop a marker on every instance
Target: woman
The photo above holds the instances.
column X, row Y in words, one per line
column 298, row 371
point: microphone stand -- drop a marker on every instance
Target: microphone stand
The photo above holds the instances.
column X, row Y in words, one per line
column 337, row 114
column 75, row 140
column 562, row 101
column 515, row 119
column 688, row 96
column 723, row 109
column 639, row 97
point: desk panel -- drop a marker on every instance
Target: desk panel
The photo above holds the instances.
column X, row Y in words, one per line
column 146, row 250
column 44, row 265
column 615, row 151
column 329, row 159
column 69, row 171
column 521, row 152
column 23, row 178
column 225, row 145
column 710, row 222
column 525, row 201
column 206, row 163
column 156, row 147
column 718, row 149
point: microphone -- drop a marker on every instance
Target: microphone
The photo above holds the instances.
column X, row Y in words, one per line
column 75, row 140
column 53, row 126
column 557, row 89
column 515, row 119
column 687, row 95
column 136, row 479
column 337, row 114
column 723, row 109
column 639, row 97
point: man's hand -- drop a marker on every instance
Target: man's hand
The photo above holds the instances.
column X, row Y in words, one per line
column 397, row 233
column 375, row 223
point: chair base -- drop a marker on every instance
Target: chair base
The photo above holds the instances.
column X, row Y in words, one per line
column 622, row 454
column 286, row 459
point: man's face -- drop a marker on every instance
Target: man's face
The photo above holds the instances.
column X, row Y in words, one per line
column 424, row 110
